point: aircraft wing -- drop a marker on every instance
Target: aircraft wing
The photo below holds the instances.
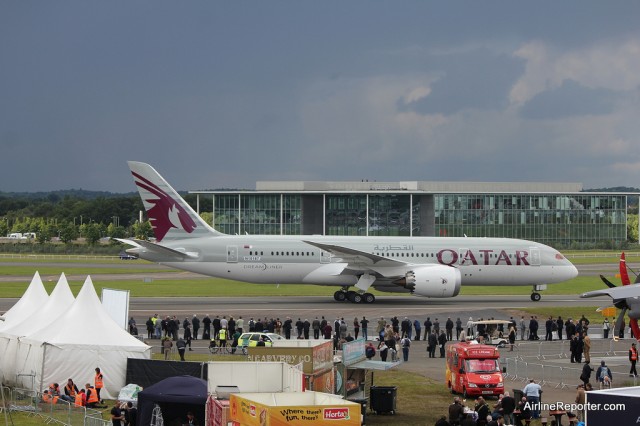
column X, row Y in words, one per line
column 357, row 257
column 155, row 248
column 616, row 293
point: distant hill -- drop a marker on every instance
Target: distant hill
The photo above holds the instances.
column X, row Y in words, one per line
column 614, row 189
column 82, row 194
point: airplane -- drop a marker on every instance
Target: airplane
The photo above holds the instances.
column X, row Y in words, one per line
column 423, row 266
column 625, row 298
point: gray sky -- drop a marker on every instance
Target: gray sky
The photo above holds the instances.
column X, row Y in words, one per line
column 223, row 94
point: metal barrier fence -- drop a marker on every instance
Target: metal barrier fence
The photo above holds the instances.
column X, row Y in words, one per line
column 62, row 412
column 541, row 349
column 526, row 362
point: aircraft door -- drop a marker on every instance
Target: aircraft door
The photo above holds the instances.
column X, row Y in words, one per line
column 232, row 254
column 534, row 256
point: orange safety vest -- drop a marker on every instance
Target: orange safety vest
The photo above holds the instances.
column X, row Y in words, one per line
column 47, row 398
column 634, row 354
column 93, row 395
column 99, row 383
column 80, row 399
column 71, row 390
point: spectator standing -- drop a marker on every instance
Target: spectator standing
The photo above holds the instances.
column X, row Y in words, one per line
column 585, row 376
column 448, row 326
column 418, row 328
column 206, row 327
column 195, row 322
column 442, row 341
column 606, row 326
column 633, row 358
column 364, row 324
column 458, row 328
column 356, row 328
column 405, row 343
column 532, row 392
column 586, row 342
column 559, row 327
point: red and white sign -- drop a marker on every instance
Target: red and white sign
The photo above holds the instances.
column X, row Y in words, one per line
column 335, row 413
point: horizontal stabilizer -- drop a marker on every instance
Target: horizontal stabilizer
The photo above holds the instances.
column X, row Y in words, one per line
column 156, row 248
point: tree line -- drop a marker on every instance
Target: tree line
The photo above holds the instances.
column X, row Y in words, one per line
column 69, row 215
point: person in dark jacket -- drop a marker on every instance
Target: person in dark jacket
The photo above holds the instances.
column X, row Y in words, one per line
column 508, row 407
column 585, row 376
column 442, row 340
column 432, row 344
column 483, row 410
column 195, row 322
column 456, row 412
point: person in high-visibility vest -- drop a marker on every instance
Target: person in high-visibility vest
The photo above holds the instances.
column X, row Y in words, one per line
column 99, row 382
column 80, row 399
column 633, row 357
column 49, row 398
column 70, row 391
column 222, row 337
column 92, row 396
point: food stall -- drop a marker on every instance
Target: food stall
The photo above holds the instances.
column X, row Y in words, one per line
column 292, row 409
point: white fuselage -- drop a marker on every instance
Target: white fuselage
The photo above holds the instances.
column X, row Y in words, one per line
column 290, row 260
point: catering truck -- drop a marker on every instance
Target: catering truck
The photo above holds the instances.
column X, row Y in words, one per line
column 474, row 369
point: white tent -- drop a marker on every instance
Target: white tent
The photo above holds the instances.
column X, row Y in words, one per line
column 83, row 338
column 58, row 302
column 34, row 297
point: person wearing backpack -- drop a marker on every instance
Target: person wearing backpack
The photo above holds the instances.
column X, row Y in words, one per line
column 405, row 343
column 603, row 375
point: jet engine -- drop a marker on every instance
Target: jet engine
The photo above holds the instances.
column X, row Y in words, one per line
column 432, row 281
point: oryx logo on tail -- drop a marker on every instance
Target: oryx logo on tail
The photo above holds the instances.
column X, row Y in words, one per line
column 166, row 212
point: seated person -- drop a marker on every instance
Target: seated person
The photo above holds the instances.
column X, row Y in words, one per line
column 70, row 391
column 49, row 398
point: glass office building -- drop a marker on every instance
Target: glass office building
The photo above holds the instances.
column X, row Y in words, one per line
column 555, row 214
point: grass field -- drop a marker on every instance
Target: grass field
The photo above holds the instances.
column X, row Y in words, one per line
column 161, row 287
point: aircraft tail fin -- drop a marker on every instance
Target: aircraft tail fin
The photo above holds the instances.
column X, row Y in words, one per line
column 170, row 216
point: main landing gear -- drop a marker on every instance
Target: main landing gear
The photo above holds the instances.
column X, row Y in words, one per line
column 353, row 296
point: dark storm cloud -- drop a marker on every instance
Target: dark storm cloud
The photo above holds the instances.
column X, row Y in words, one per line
column 479, row 79
column 571, row 99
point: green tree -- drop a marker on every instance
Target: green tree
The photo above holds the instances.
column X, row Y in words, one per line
column 632, row 228
column 93, row 233
column 68, row 233
column 142, row 231
column 45, row 234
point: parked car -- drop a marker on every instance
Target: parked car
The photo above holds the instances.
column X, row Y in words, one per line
column 251, row 339
column 127, row 256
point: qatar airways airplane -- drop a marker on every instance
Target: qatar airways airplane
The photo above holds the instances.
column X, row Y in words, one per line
column 423, row 266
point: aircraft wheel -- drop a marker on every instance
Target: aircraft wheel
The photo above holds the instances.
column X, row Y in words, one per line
column 357, row 298
column 350, row 295
column 368, row 298
column 339, row 295
column 535, row 297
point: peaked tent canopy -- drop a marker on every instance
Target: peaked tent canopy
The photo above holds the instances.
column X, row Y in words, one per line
column 34, row 297
column 175, row 396
column 83, row 338
column 58, row 302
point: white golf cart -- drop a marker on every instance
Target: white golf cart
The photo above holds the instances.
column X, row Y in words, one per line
column 492, row 336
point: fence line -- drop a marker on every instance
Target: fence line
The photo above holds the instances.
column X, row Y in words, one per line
column 62, row 412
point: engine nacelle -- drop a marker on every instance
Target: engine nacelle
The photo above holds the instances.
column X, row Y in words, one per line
column 432, row 281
